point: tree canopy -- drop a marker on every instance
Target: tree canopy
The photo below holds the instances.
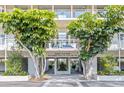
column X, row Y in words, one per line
column 95, row 31
column 32, row 27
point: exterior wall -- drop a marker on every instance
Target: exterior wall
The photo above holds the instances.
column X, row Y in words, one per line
column 62, row 22
column 2, row 67
column 94, row 66
column 31, row 69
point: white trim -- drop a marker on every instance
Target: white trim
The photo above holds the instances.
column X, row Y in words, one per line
column 13, row 78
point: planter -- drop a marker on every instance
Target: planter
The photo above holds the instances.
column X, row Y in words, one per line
column 110, row 78
column 14, row 78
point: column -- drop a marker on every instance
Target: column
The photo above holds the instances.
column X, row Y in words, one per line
column 69, row 39
column 69, row 65
column 55, row 66
column 5, row 45
column 53, row 8
column 31, row 6
column 71, row 11
column 93, row 7
column 47, row 66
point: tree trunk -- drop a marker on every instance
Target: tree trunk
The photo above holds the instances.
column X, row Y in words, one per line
column 33, row 59
column 43, row 64
column 84, row 69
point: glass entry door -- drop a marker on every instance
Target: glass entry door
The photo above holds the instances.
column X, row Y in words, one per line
column 62, row 66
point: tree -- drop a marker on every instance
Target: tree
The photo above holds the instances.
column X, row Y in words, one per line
column 95, row 33
column 32, row 29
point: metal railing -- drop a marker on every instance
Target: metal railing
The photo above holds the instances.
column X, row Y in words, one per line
column 63, row 44
column 57, row 44
column 10, row 44
column 78, row 12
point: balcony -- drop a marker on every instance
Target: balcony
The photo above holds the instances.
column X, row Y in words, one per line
column 66, row 13
column 78, row 12
column 100, row 11
column 68, row 44
column 9, row 44
column 60, row 44
column 63, row 13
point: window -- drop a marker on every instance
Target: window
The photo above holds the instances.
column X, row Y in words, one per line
column 1, row 9
column 122, row 41
column 63, row 13
column 62, row 65
column 62, row 35
column 78, row 12
column 114, row 43
column 2, row 66
column 121, row 63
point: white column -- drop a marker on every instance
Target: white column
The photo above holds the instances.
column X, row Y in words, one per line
column 5, row 45
column 93, row 9
column 69, row 66
column 31, row 6
column 55, row 66
column 53, row 8
column 71, row 11
column 69, row 39
column 47, row 62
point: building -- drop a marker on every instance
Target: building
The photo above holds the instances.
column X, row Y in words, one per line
column 62, row 52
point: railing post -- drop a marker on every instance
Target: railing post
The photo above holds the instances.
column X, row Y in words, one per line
column 93, row 9
column 53, row 8
column 71, row 11
column 32, row 7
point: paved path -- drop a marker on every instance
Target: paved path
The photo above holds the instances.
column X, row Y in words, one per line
column 76, row 81
column 63, row 81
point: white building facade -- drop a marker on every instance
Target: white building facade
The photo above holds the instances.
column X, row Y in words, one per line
column 63, row 51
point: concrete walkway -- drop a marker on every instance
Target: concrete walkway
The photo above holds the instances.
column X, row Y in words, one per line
column 63, row 81
column 77, row 81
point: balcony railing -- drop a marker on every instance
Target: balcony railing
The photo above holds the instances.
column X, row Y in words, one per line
column 78, row 12
column 62, row 44
column 57, row 44
column 63, row 13
column 100, row 11
column 8, row 43
column 66, row 13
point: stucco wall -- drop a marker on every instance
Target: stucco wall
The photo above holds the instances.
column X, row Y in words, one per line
column 2, row 67
column 31, row 69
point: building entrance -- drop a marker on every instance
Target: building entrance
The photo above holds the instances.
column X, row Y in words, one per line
column 60, row 66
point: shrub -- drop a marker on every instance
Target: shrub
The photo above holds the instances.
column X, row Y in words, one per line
column 15, row 65
column 108, row 62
